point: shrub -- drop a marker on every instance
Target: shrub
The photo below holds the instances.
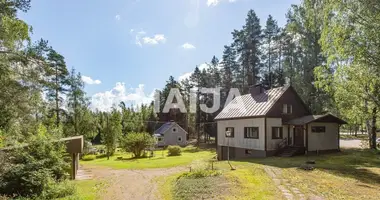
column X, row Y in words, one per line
column 200, row 174
column 101, row 156
column 89, row 157
column 190, row 149
column 137, row 142
column 174, row 151
column 33, row 170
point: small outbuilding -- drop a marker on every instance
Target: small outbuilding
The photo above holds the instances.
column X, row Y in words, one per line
column 170, row 133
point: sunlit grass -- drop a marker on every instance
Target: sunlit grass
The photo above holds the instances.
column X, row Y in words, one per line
column 160, row 160
column 87, row 190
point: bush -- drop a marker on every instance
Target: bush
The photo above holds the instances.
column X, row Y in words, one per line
column 174, row 151
column 190, row 149
column 100, row 156
column 89, row 157
column 200, row 174
column 137, row 142
column 35, row 169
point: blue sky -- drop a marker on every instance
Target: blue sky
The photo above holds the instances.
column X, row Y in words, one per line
column 127, row 48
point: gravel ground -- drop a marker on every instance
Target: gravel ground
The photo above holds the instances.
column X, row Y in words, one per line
column 350, row 143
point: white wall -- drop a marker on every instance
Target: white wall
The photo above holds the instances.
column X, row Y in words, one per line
column 274, row 122
column 171, row 138
column 324, row 141
column 239, row 140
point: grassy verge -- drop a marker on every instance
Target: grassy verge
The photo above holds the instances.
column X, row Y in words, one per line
column 87, row 190
column 160, row 160
column 249, row 181
column 352, row 174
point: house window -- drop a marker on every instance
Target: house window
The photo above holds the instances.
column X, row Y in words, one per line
column 159, row 139
column 251, row 132
column 179, row 139
column 287, row 109
column 318, row 129
column 174, row 130
column 276, row 132
column 232, row 131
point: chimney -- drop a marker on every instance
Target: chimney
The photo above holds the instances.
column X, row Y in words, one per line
column 256, row 89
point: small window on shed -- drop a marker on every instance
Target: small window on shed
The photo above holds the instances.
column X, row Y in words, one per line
column 174, row 130
column 159, row 139
column 318, row 129
column 179, row 139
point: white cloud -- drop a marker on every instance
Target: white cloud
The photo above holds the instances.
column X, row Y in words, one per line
column 104, row 101
column 188, row 46
column 141, row 38
column 88, row 80
column 184, row 76
column 118, row 17
column 216, row 2
column 158, row 38
column 201, row 67
column 212, row 2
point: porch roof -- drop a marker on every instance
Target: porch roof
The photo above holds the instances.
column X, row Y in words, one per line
column 315, row 118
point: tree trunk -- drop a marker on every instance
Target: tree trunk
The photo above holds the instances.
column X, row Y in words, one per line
column 56, row 96
column 373, row 130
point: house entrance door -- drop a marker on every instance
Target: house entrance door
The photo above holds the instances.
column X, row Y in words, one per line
column 299, row 136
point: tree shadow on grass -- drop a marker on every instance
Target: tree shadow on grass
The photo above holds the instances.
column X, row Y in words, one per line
column 352, row 163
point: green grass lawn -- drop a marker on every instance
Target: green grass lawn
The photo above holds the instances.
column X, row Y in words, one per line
column 351, row 174
column 87, row 189
column 160, row 160
column 248, row 182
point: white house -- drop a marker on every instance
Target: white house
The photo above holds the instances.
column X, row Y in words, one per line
column 276, row 121
column 170, row 133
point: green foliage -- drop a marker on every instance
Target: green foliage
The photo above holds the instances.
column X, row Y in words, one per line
column 137, row 142
column 174, row 150
column 190, row 149
column 89, row 157
column 200, row 173
column 34, row 169
column 111, row 129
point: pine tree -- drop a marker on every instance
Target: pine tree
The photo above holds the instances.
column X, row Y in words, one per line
column 57, row 81
column 272, row 50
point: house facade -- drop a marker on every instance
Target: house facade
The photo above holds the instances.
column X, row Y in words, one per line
column 268, row 122
column 170, row 133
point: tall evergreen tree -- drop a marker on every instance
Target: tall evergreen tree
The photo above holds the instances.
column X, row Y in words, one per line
column 57, row 81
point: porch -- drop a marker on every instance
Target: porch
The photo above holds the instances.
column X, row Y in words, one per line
column 312, row 133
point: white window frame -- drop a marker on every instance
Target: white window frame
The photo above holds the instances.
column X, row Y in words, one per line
column 179, row 139
column 174, row 129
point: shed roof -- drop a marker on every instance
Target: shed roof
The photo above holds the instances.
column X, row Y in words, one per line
column 164, row 128
column 251, row 106
column 315, row 118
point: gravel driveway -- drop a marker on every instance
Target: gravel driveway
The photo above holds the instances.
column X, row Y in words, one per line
column 350, row 143
column 131, row 184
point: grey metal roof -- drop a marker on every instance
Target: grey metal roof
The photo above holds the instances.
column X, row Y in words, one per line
column 164, row 128
column 251, row 106
column 311, row 118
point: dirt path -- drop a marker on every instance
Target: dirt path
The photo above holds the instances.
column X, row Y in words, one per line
column 131, row 184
